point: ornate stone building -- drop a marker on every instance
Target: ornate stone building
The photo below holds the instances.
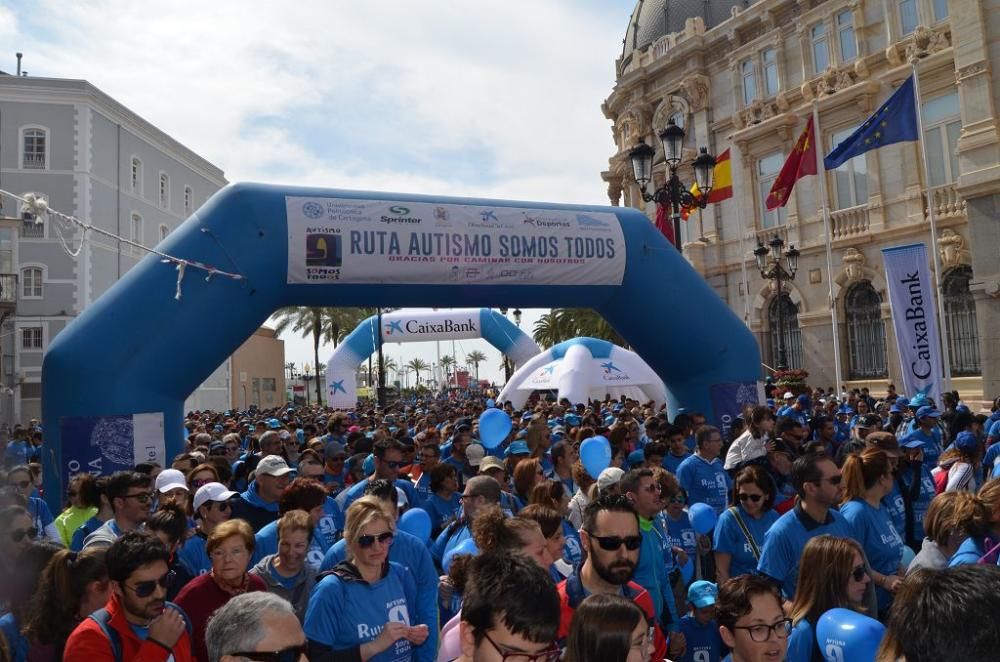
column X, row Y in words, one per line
column 745, row 76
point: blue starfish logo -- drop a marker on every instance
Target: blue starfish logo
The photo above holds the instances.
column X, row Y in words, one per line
column 338, row 386
column 549, row 370
column 609, row 366
column 393, row 326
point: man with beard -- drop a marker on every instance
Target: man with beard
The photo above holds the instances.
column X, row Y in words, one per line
column 610, row 536
column 137, row 623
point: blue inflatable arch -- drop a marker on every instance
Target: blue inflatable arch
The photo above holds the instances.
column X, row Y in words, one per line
column 138, row 350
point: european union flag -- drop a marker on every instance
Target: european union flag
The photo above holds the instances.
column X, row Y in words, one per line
column 894, row 122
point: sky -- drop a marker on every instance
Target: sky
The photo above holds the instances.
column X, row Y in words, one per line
column 494, row 99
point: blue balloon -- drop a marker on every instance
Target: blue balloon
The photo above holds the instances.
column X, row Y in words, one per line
column 416, row 522
column 491, row 403
column 595, row 454
column 843, row 634
column 494, row 426
column 908, row 556
column 702, row 517
column 687, row 571
column 467, row 546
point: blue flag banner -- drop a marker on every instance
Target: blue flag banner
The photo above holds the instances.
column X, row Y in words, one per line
column 910, row 299
column 102, row 445
column 728, row 401
column 894, row 122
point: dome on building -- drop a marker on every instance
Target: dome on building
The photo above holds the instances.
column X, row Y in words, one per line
column 651, row 19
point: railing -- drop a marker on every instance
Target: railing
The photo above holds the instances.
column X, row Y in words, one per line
column 33, row 230
column 849, row 222
column 34, row 161
column 767, row 234
column 8, row 289
column 946, row 200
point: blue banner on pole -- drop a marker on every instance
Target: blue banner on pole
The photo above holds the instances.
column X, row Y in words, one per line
column 102, row 445
column 728, row 401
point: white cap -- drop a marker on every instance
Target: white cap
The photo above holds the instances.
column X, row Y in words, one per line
column 211, row 492
column 788, row 395
column 475, row 454
column 170, row 479
column 273, row 465
column 609, row 477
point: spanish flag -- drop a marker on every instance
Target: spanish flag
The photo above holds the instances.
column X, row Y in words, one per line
column 697, row 195
column 722, row 179
column 801, row 162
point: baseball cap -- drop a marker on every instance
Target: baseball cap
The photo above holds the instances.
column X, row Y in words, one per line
column 489, row 463
column 911, row 442
column 895, row 409
column 928, row 411
column 333, row 450
column 475, row 454
column 273, row 465
column 273, row 423
column 609, row 478
column 788, row 395
column 919, row 400
column 518, row 448
column 170, row 479
column 211, row 492
column 803, row 399
column 966, row 442
column 885, row 441
column 636, row 458
column 702, row 594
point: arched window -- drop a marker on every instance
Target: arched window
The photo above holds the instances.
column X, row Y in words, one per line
column 865, row 332
column 960, row 321
column 135, row 175
column 790, row 331
column 34, row 148
column 31, row 283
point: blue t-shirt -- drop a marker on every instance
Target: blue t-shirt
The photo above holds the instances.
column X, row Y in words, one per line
column 990, row 458
column 356, row 491
column 267, row 544
column 729, row 538
column 84, row 530
column 572, row 551
column 894, row 505
column 330, row 526
column 652, row 574
column 968, row 553
column 194, row 554
column 681, row 533
column 17, row 643
column 882, row 543
column 346, row 613
column 40, row 514
column 922, row 503
column 423, row 486
column 785, row 540
column 801, row 642
column 671, row 462
column 447, row 539
column 705, row 482
column 932, row 444
column 411, row 553
column 441, row 511
column 703, row 641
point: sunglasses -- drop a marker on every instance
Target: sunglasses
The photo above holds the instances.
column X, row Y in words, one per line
column 751, row 497
column 612, row 543
column 198, row 482
column 17, row 535
column 369, row 540
column 146, row 589
column 141, row 498
column 221, row 506
column 678, row 498
column 835, row 480
column 858, row 573
column 290, row 654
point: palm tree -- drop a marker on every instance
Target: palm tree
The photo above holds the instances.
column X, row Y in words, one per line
column 306, row 320
column 561, row 324
column 475, row 357
column 447, row 363
column 416, row 365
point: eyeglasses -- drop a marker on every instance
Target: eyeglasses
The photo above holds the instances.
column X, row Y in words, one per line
column 290, row 654
column 761, row 633
column 145, row 497
column 392, row 465
column 369, row 540
column 751, row 497
column 466, row 497
column 550, row 654
column 833, row 480
column 147, row 588
column 612, row 543
column 678, row 498
column 858, row 573
column 17, row 535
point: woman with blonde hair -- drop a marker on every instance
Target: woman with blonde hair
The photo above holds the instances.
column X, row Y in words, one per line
column 868, row 480
column 950, row 519
column 363, row 608
column 527, row 474
column 978, row 526
column 831, row 574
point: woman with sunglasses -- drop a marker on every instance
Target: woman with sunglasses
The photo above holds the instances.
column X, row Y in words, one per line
column 200, row 476
column 675, row 519
column 84, row 500
column 72, row 587
column 38, row 510
column 17, row 530
column 363, row 608
column 831, row 574
column 230, row 546
column 740, row 531
column 211, row 508
column 868, row 479
column 609, row 628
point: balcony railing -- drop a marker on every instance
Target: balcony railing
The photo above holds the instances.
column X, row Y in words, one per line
column 849, row 222
column 34, row 161
column 8, row 289
column 767, row 234
column 946, row 200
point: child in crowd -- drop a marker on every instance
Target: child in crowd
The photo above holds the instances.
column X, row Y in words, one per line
column 699, row 627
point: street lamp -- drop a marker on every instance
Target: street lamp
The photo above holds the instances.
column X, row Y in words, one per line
column 782, row 267
column 517, row 317
column 673, row 192
column 307, row 376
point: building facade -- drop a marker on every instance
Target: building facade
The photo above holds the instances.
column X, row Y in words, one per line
column 258, row 371
column 746, row 77
column 90, row 157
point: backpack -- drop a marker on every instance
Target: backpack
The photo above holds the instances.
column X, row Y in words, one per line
column 103, row 618
column 940, row 481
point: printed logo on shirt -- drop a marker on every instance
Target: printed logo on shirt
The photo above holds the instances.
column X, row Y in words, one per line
column 398, row 612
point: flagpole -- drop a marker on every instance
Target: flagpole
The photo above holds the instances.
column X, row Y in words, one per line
column 743, row 252
column 932, row 217
column 831, row 302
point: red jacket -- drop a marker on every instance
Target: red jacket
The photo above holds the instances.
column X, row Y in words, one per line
column 88, row 643
column 571, row 594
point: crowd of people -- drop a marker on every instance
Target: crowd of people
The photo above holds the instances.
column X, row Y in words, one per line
column 388, row 535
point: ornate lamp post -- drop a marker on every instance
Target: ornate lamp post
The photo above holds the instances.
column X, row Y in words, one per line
column 781, row 267
column 673, row 193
